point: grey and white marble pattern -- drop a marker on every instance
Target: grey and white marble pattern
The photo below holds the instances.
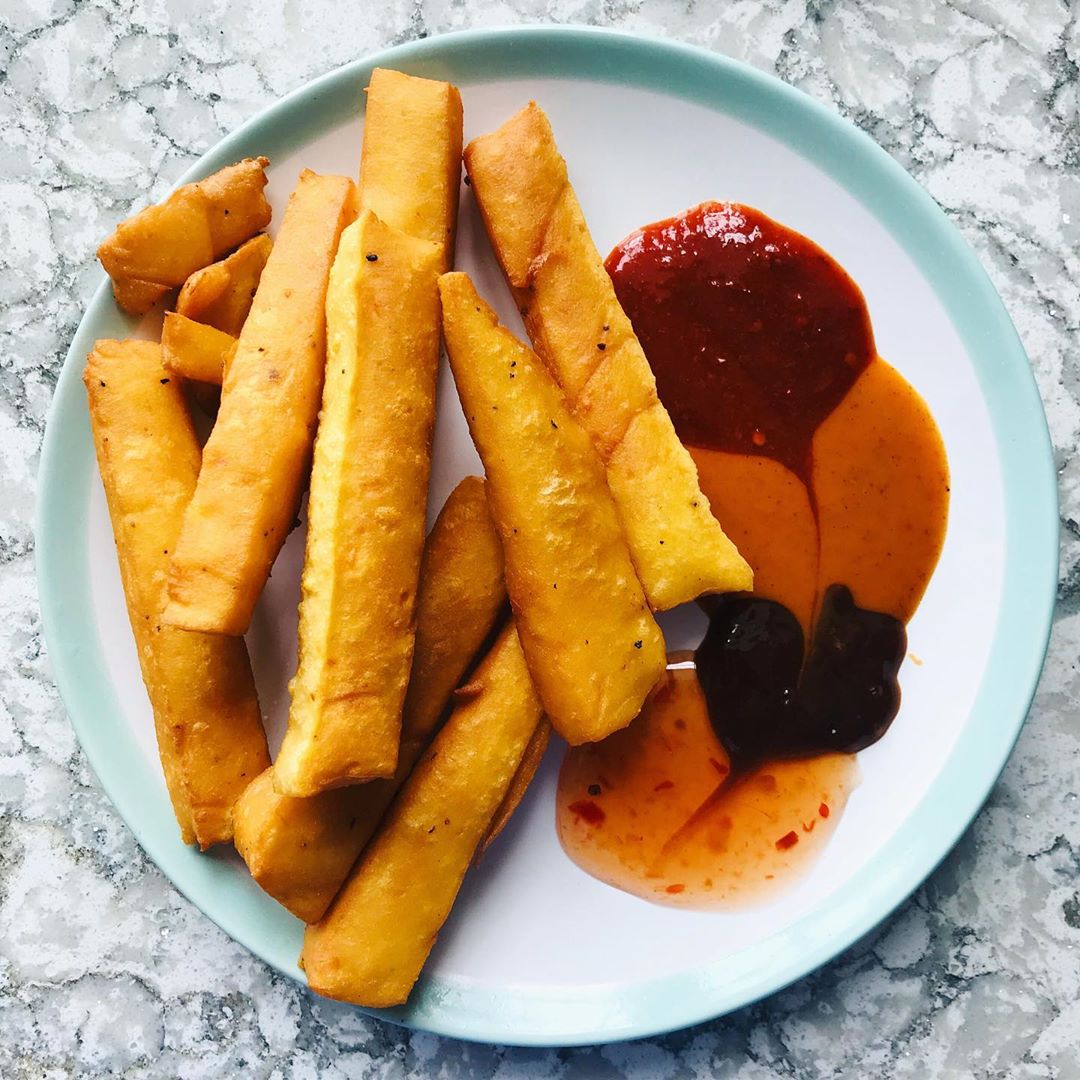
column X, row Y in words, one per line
column 104, row 968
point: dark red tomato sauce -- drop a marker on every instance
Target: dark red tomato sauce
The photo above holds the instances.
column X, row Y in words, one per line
column 753, row 332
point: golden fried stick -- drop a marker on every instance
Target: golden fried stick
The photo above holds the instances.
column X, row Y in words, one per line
column 410, row 167
column 530, row 762
column 220, row 294
column 158, row 248
column 583, row 336
column 255, row 462
column 300, row 850
column 593, row 647
column 373, row 454
column 365, row 512
column 206, row 714
column 372, row 943
column 459, row 599
column 194, row 350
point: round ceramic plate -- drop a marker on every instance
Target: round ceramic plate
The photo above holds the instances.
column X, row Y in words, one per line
column 537, row 952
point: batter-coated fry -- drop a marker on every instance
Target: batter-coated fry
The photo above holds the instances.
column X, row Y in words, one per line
column 373, row 453
column 593, row 647
column 206, row 714
column 365, row 512
column 372, row 943
column 220, row 294
column 300, row 850
column 255, row 461
column 526, row 771
column 410, row 167
column 581, row 333
column 158, row 248
column 194, row 350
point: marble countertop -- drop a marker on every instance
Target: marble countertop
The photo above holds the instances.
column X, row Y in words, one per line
column 104, row 968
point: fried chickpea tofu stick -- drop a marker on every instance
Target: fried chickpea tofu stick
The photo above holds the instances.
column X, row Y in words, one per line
column 220, row 294
column 460, row 597
column 372, row 943
column 300, row 850
column 372, row 460
column 255, row 461
column 581, row 333
column 194, row 350
column 365, row 512
column 593, row 647
column 209, row 729
column 158, row 248
column 410, row 165
column 526, row 771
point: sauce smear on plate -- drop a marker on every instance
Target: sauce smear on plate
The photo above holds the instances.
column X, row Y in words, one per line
column 826, row 468
column 656, row 810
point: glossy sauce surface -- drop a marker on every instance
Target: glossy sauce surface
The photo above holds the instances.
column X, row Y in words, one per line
column 655, row 811
column 827, row 470
column 753, row 332
column 771, row 697
column 872, row 517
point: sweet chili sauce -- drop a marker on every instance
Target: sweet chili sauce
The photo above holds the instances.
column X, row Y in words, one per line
column 655, row 809
column 828, row 471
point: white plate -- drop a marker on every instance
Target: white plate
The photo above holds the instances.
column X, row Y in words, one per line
column 536, row 950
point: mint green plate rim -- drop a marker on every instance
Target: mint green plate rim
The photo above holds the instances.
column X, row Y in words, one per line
column 520, row 1014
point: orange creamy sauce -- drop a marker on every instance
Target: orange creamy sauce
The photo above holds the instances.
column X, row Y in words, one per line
column 881, row 485
column 826, row 469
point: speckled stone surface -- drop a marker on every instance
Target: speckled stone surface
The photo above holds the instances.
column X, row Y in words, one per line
column 104, row 968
